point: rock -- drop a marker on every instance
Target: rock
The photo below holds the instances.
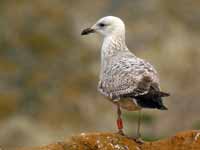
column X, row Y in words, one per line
column 188, row 140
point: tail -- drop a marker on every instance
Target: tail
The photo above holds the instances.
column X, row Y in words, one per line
column 163, row 94
column 152, row 100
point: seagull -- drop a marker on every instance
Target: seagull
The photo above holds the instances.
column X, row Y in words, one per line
column 131, row 83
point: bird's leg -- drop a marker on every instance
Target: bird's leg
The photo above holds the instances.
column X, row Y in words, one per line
column 119, row 120
column 138, row 138
column 138, row 126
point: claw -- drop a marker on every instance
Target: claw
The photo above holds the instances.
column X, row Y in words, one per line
column 139, row 140
column 120, row 132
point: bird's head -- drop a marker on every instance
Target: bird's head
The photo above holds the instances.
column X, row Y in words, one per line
column 106, row 26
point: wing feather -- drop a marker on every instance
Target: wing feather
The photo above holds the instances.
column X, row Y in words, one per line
column 127, row 75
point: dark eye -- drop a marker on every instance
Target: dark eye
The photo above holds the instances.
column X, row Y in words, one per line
column 102, row 25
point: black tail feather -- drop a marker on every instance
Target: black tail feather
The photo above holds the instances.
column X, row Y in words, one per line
column 152, row 100
column 151, row 103
column 163, row 94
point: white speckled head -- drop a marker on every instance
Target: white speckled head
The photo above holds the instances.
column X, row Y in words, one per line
column 107, row 26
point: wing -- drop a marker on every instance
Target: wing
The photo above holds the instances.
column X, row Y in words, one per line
column 127, row 75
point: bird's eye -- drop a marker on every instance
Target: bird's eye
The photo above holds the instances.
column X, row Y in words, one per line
column 102, row 25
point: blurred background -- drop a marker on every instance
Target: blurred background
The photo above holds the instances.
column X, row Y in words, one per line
column 49, row 73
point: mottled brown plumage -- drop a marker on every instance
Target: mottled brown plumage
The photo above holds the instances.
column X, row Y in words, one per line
column 128, row 81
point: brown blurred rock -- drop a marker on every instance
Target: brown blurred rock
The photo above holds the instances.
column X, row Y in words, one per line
column 188, row 140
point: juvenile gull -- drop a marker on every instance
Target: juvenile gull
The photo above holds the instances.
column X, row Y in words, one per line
column 126, row 80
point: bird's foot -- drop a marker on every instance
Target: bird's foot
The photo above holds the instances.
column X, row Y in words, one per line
column 120, row 132
column 139, row 140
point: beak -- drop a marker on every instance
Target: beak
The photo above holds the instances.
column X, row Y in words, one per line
column 87, row 31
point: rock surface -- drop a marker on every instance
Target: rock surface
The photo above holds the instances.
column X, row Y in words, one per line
column 188, row 140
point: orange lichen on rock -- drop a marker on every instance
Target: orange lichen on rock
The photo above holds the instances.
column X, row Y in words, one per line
column 189, row 140
column 98, row 141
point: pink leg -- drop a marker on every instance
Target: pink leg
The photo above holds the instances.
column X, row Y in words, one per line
column 119, row 120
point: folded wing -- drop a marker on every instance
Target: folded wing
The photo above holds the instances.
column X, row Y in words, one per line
column 127, row 75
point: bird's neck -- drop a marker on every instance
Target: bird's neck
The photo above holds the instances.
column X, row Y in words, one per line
column 112, row 45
